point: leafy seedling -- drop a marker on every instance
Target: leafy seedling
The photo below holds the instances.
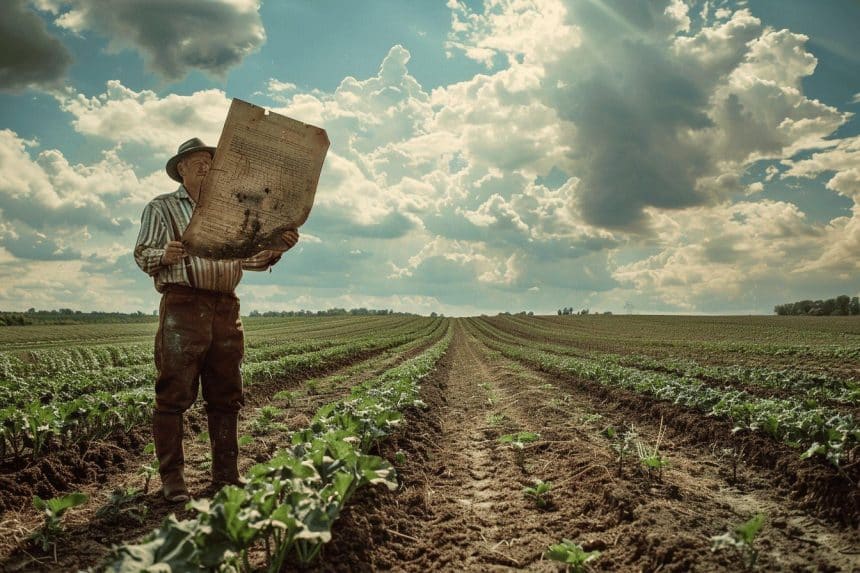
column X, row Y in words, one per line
column 734, row 457
column 539, row 493
column 285, row 395
column 650, row 457
column 742, row 538
column 572, row 555
column 518, row 443
column 149, row 470
column 53, row 510
column 267, row 421
column 245, row 441
column 124, row 504
column 623, row 444
column 400, row 457
column 203, row 437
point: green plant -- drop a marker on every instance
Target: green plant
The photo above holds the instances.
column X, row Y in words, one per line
column 267, row 421
column 245, row 441
column 518, row 443
column 649, row 456
column 742, row 538
column 539, row 493
column 124, row 503
column 286, row 395
column 203, row 437
column 572, row 555
column 149, row 470
column 53, row 510
column 734, row 456
column 623, row 444
column 400, row 457
column 495, row 419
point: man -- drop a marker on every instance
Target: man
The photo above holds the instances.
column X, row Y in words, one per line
column 200, row 341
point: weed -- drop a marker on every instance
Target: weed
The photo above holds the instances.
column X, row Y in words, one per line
column 742, row 537
column 53, row 510
column 496, row 419
column 650, row 457
column 539, row 493
column 124, row 503
column 149, row 470
column 623, row 444
column 267, row 421
column 286, row 395
column 517, row 442
column 572, row 555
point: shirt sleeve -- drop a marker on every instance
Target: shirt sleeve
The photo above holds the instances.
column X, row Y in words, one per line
column 261, row 261
column 150, row 242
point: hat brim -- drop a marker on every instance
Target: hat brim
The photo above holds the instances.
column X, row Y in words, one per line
column 173, row 162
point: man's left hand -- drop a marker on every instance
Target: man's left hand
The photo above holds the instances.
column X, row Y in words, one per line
column 290, row 237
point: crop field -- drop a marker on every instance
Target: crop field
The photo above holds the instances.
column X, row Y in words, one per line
column 512, row 442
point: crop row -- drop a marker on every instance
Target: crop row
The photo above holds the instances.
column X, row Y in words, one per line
column 818, row 429
column 72, row 382
column 26, row 429
column 812, row 386
column 659, row 336
column 19, row 366
column 287, row 509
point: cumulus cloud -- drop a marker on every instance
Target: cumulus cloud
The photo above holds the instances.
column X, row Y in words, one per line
column 174, row 36
column 122, row 115
column 725, row 252
column 29, row 55
column 54, row 210
column 842, row 243
column 659, row 114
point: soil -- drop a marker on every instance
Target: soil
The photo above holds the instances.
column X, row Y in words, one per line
column 79, row 470
column 461, row 507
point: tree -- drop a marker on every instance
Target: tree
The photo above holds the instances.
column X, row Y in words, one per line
column 854, row 306
column 843, row 301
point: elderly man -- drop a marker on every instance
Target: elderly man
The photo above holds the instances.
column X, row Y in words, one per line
column 200, row 341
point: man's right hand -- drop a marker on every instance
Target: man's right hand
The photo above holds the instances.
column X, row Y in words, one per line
column 173, row 253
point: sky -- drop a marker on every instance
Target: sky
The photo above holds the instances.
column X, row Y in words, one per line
column 653, row 156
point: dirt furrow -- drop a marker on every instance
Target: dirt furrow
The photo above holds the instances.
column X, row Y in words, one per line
column 94, row 536
column 461, row 505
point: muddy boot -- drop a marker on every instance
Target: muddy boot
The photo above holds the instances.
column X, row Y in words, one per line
column 225, row 448
column 167, row 432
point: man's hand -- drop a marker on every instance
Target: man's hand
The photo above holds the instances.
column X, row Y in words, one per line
column 290, row 237
column 173, row 253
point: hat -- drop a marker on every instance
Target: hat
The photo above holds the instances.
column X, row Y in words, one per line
column 190, row 146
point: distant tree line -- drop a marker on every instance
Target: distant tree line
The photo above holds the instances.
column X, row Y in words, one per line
column 332, row 312
column 69, row 316
column 842, row 305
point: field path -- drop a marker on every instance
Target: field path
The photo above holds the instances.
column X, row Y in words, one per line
column 461, row 505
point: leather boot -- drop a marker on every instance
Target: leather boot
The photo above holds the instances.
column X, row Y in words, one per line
column 225, row 448
column 167, row 433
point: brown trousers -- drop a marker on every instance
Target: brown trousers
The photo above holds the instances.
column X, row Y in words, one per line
column 200, row 341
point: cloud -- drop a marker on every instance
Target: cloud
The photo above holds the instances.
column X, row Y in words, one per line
column 726, row 253
column 29, row 55
column 842, row 235
column 122, row 115
column 653, row 112
column 174, row 36
column 54, row 210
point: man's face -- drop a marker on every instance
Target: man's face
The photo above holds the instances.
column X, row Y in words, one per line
column 193, row 168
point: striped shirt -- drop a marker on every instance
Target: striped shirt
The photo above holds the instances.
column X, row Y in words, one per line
column 155, row 232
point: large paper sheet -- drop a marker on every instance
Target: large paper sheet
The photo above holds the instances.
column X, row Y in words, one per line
column 262, row 183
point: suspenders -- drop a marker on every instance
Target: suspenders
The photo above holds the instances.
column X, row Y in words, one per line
column 177, row 236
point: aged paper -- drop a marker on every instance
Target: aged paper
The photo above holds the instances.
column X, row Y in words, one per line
column 262, row 183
